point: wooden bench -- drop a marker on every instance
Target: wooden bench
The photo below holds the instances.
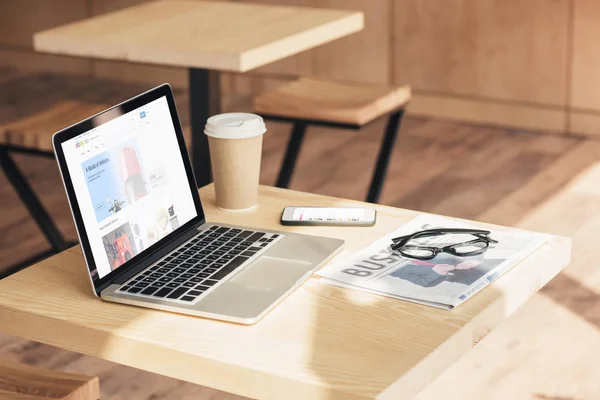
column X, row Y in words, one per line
column 308, row 102
column 35, row 106
column 24, row 382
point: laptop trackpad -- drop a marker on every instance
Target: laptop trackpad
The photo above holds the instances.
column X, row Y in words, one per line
column 272, row 272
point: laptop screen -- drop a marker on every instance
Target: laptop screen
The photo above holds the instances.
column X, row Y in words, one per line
column 130, row 182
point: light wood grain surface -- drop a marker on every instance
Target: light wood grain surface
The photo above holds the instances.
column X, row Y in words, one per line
column 315, row 99
column 23, row 382
column 501, row 49
column 322, row 342
column 585, row 79
column 203, row 34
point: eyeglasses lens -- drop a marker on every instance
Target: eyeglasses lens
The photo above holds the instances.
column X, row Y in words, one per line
column 468, row 248
column 416, row 252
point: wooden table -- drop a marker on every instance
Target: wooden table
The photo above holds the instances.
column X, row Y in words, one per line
column 322, row 342
column 204, row 36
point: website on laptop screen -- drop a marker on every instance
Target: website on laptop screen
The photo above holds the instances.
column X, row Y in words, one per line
column 130, row 183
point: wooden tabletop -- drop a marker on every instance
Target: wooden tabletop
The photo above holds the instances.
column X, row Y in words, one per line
column 218, row 35
column 322, row 342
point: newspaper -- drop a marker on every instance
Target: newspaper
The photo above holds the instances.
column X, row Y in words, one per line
column 445, row 281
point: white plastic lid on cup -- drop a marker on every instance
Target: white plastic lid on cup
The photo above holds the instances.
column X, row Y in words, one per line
column 235, row 126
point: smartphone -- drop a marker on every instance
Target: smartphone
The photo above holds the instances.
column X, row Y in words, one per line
column 323, row 216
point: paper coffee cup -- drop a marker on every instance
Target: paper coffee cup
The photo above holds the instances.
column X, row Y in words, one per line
column 235, row 142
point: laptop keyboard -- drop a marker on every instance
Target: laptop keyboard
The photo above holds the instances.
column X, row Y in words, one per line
column 200, row 264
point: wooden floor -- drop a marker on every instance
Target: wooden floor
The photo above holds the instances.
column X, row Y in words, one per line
column 509, row 177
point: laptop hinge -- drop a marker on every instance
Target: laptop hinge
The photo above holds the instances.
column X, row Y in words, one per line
column 151, row 258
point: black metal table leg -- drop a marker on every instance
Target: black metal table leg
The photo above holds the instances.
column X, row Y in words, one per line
column 31, row 202
column 385, row 154
column 204, row 103
column 291, row 155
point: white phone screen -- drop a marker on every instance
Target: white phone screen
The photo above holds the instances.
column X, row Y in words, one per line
column 329, row 214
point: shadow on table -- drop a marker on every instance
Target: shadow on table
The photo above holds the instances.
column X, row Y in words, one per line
column 576, row 297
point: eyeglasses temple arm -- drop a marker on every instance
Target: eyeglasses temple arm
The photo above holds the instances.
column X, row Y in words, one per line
column 440, row 231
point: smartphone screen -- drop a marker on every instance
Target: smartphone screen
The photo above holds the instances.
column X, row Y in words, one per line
column 328, row 216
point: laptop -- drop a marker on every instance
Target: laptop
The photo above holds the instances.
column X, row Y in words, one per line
column 144, row 234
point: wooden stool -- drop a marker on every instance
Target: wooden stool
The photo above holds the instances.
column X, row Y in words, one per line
column 313, row 102
column 32, row 108
column 23, row 382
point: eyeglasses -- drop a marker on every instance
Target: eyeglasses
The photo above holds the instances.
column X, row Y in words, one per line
column 464, row 249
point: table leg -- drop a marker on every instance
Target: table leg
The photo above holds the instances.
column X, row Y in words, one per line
column 385, row 155
column 204, row 92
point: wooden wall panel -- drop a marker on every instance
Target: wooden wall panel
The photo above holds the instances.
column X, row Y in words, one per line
column 585, row 78
column 364, row 56
column 360, row 57
column 501, row 49
column 152, row 75
column 104, row 6
column 587, row 124
column 502, row 62
column 19, row 19
column 486, row 112
column 237, row 90
column 28, row 61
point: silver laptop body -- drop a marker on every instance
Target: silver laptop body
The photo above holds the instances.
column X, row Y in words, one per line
column 253, row 289
column 205, row 269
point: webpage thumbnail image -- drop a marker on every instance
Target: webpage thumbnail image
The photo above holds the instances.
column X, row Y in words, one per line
column 135, row 236
column 153, row 222
column 119, row 246
column 115, row 179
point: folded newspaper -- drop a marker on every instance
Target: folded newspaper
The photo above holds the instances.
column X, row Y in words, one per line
column 445, row 281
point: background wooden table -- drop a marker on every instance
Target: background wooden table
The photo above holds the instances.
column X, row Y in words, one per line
column 205, row 37
column 321, row 342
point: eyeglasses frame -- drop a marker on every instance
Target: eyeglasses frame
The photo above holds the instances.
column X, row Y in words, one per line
column 482, row 236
